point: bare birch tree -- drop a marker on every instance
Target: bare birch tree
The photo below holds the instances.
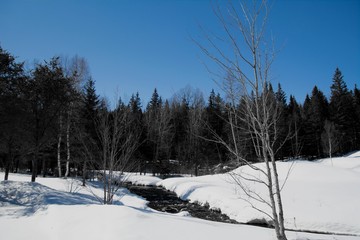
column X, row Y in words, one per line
column 244, row 60
column 76, row 70
column 329, row 138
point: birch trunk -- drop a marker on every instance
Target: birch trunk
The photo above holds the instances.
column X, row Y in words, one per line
column 67, row 146
column 247, row 80
column 59, row 147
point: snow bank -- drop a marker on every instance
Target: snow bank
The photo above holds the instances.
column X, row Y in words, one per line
column 136, row 178
column 318, row 196
column 94, row 221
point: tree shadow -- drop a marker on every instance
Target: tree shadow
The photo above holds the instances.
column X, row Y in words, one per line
column 18, row 199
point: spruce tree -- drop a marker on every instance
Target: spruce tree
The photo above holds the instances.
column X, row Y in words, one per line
column 87, row 130
column 309, row 144
column 138, row 128
column 342, row 112
column 153, row 130
column 281, row 95
column 90, row 110
column 215, row 122
column 294, row 144
column 319, row 113
column 283, row 133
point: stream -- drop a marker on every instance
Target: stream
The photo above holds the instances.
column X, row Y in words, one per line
column 165, row 201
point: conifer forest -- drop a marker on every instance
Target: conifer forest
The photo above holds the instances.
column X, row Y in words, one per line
column 53, row 122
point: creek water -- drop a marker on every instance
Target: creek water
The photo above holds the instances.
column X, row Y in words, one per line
column 166, row 201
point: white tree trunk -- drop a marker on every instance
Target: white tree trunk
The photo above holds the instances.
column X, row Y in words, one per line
column 67, row 146
column 246, row 80
column 59, row 147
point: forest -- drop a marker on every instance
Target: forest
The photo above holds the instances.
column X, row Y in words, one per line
column 53, row 122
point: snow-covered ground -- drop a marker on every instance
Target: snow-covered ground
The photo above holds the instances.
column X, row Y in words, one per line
column 318, row 196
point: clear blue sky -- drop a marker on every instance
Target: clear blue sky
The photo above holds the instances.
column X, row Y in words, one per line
column 139, row 45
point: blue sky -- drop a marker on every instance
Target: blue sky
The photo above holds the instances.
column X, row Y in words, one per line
column 139, row 45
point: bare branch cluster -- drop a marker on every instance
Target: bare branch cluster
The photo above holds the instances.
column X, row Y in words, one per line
column 244, row 61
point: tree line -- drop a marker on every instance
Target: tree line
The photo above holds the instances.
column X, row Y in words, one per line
column 52, row 122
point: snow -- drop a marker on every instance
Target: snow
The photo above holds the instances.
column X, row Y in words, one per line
column 138, row 179
column 318, row 196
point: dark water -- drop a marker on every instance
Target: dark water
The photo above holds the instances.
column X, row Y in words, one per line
column 162, row 200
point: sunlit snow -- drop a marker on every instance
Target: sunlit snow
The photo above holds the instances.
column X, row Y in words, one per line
column 319, row 196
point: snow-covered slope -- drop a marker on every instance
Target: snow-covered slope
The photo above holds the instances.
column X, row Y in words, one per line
column 319, row 196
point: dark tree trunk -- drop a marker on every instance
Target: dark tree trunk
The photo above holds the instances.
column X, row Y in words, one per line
column 34, row 169
column 34, row 165
column 7, row 168
column 84, row 174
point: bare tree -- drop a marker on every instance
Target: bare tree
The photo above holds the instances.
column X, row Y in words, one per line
column 88, row 150
column 118, row 143
column 243, row 56
column 329, row 138
column 194, row 129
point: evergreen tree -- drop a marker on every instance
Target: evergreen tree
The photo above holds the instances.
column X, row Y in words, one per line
column 294, row 144
column 342, row 112
column 47, row 92
column 135, row 105
column 181, row 122
column 319, row 113
column 157, row 128
column 283, row 133
column 356, row 96
column 155, row 101
column 13, row 111
column 90, row 108
column 139, row 129
column 315, row 113
column 309, row 147
column 215, row 121
column 87, row 129
column 280, row 95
